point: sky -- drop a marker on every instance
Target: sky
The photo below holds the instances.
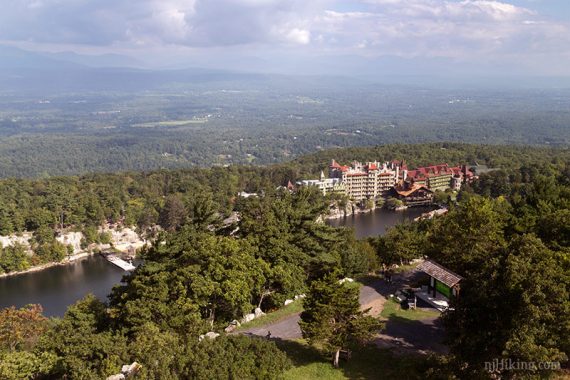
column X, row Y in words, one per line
column 479, row 37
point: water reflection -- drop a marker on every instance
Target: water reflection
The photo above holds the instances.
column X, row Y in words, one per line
column 58, row 287
column 378, row 221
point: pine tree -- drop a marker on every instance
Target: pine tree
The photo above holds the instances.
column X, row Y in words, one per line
column 333, row 318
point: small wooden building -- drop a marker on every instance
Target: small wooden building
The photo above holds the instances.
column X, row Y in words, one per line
column 442, row 281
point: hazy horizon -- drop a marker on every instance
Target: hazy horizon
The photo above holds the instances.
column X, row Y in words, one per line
column 455, row 40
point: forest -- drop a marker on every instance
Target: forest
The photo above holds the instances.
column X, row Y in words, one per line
column 507, row 233
column 257, row 120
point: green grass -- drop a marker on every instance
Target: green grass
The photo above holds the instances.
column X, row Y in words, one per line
column 392, row 309
column 269, row 318
column 366, row 363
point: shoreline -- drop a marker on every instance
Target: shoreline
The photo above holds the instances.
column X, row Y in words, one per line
column 38, row 268
column 340, row 215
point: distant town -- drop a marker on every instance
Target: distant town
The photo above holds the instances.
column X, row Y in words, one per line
column 393, row 179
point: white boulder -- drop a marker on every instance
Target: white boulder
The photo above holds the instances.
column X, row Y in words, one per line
column 209, row 335
column 232, row 326
column 258, row 312
column 248, row 318
column 120, row 376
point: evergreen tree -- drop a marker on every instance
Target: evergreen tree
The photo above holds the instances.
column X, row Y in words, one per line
column 332, row 317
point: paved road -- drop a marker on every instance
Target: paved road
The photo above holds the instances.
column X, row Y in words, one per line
column 424, row 335
column 287, row 328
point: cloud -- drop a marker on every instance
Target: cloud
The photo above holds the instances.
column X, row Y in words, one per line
column 185, row 22
column 483, row 30
column 458, row 29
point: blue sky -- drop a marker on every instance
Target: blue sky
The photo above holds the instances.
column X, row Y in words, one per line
column 530, row 37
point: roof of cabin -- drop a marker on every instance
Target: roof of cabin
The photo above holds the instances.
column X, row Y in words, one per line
column 440, row 273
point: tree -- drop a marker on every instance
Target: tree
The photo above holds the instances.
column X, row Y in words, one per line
column 236, row 357
column 13, row 258
column 203, row 211
column 25, row 365
column 173, row 214
column 51, row 252
column 333, row 318
column 516, row 306
column 469, row 235
column 84, row 345
column 21, row 328
column 400, row 244
column 393, row 203
column 161, row 353
column 357, row 257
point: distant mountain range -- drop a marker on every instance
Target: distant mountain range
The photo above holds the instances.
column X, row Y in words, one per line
column 15, row 58
column 41, row 72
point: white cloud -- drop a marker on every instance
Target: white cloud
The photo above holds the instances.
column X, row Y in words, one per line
column 299, row 36
column 483, row 30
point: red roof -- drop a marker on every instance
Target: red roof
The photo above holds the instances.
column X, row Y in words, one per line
column 430, row 171
column 335, row 164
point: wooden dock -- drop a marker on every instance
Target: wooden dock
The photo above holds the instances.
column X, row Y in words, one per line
column 124, row 265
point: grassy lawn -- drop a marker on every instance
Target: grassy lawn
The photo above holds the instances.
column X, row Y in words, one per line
column 392, row 309
column 285, row 311
column 366, row 363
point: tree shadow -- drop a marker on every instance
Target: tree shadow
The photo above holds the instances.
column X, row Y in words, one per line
column 398, row 282
column 368, row 362
column 417, row 335
column 299, row 353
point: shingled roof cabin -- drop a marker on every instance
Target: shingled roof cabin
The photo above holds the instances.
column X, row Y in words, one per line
column 443, row 285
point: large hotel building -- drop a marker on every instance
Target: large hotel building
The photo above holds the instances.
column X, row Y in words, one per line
column 372, row 180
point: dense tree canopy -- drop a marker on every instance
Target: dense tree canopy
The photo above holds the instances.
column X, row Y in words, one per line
column 507, row 235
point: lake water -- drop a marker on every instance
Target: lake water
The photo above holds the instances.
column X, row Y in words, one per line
column 58, row 287
column 378, row 221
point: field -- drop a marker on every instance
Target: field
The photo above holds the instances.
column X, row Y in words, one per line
column 171, row 123
column 262, row 121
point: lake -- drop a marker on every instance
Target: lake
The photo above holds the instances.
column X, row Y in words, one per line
column 378, row 221
column 58, row 287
